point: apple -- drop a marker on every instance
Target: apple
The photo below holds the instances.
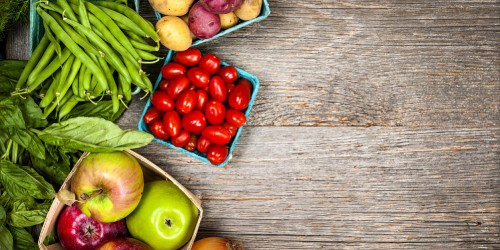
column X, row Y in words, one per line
column 124, row 244
column 109, row 185
column 165, row 218
column 76, row 231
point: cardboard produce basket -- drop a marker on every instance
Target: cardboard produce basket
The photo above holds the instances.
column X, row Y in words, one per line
column 151, row 172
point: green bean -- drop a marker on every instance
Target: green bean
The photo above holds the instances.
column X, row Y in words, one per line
column 147, row 82
column 81, row 75
column 143, row 46
column 33, row 61
column 84, row 19
column 110, row 55
column 75, row 87
column 50, row 94
column 66, row 68
column 147, row 56
column 72, row 46
column 133, row 36
column 67, row 9
column 68, row 106
column 53, row 7
column 113, row 91
column 42, row 63
column 123, row 21
column 135, row 73
column 49, row 70
column 54, row 105
column 52, row 39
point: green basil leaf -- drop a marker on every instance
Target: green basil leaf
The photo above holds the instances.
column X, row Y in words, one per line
column 4, row 137
column 2, row 215
column 28, row 140
column 51, row 238
column 52, row 170
column 22, row 239
column 32, row 113
column 93, row 134
column 6, row 241
column 7, row 86
column 102, row 109
column 26, row 218
column 11, row 115
column 10, row 203
column 21, row 181
column 12, row 68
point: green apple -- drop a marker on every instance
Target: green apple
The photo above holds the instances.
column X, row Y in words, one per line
column 165, row 218
column 108, row 185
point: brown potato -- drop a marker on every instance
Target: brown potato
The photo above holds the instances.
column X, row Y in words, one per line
column 174, row 33
column 228, row 20
column 249, row 9
column 171, row 7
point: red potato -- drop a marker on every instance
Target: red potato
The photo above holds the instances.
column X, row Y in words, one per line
column 202, row 22
column 220, row 6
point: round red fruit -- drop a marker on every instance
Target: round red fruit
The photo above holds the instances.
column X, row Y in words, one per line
column 177, row 86
column 172, row 70
column 217, row 134
column 217, row 88
column 159, row 130
column 181, row 139
column 172, row 122
column 186, row 101
column 215, row 112
column 151, row 115
column 203, row 144
column 217, row 154
column 235, row 117
column 189, row 57
column 164, row 84
column 199, row 77
column 246, row 82
column 191, row 145
column 231, row 128
column 162, row 101
column 202, row 99
column 239, row 97
column 228, row 73
column 210, row 63
column 194, row 121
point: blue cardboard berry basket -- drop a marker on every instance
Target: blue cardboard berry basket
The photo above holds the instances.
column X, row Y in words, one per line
column 142, row 126
column 264, row 13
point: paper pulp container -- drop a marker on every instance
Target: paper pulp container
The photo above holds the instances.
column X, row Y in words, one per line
column 151, row 172
column 264, row 13
column 142, row 126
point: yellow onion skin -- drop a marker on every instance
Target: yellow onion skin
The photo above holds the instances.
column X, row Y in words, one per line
column 216, row 243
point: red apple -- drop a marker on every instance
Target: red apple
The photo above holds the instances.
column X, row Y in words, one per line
column 76, row 231
column 124, row 244
column 109, row 185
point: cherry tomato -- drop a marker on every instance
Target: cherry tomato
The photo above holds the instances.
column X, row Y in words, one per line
column 192, row 143
column 189, row 57
column 176, row 86
column 210, row 63
column 171, row 70
column 229, row 86
column 181, row 139
column 217, row 88
column 151, row 115
column 216, row 134
column 202, row 99
column 228, row 73
column 158, row 129
column 186, row 101
column 245, row 82
column 215, row 112
column 235, row 117
column 239, row 97
column 162, row 101
column 198, row 77
column 203, row 144
column 164, row 84
column 172, row 122
column 217, row 154
column 232, row 129
column 194, row 121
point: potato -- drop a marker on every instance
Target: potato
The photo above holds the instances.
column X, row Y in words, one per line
column 249, row 9
column 185, row 18
column 202, row 23
column 220, row 6
column 228, row 20
column 171, row 7
column 174, row 33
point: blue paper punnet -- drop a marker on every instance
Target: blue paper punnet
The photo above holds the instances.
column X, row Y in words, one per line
column 142, row 126
column 264, row 13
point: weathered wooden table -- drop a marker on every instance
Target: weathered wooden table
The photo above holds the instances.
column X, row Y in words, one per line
column 376, row 126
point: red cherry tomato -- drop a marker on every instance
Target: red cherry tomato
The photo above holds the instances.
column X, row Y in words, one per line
column 176, row 86
column 162, row 101
column 202, row 99
column 194, row 121
column 189, row 57
column 172, row 122
column 186, row 101
column 217, row 154
column 215, row 112
column 210, row 63
column 164, row 84
column 171, row 70
column 203, row 144
column 198, row 77
column 229, row 86
column 239, row 97
column 228, row 73
column 245, row 82
column 151, row 115
column 217, row 88
column 232, row 129
column 192, row 143
column 181, row 139
column 216, row 134
column 235, row 117
column 158, row 129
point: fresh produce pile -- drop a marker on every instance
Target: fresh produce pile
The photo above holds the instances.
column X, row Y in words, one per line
column 186, row 20
column 111, row 205
column 199, row 105
column 89, row 49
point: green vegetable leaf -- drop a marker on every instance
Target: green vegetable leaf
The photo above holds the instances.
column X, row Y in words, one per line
column 11, row 203
column 7, row 86
column 12, row 117
column 52, row 169
column 29, row 141
column 51, row 238
column 12, row 69
column 26, row 218
column 6, row 241
column 22, row 239
column 2, row 215
column 103, row 109
column 21, row 181
column 32, row 113
column 93, row 134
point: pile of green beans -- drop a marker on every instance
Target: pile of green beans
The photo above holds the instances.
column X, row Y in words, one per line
column 89, row 50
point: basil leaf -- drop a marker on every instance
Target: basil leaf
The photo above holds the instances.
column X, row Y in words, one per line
column 51, row 238
column 10, row 203
column 6, row 241
column 93, row 134
column 2, row 215
column 12, row 68
column 7, row 85
column 21, row 181
column 26, row 218
column 29, row 141
column 12, row 117
column 4, row 137
column 22, row 239
column 32, row 114
column 51, row 169
column 102, row 109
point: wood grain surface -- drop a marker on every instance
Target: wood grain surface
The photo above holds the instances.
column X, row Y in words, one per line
column 376, row 126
